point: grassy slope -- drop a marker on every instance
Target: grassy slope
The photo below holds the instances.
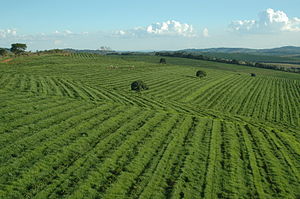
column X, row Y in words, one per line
column 70, row 126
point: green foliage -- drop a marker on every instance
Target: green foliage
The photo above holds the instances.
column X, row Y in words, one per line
column 200, row 73
column 18, row 48
column 139, row 85
column 162, row 61
column 3, row 52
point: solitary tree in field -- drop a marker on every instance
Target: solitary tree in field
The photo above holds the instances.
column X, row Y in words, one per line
column 3, row 52
column 139, row 85
column 162, row 61
column 18, row 48
column 200, row 73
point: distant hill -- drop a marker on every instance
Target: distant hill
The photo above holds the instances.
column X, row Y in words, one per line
column 282, row 51
column 286, row 54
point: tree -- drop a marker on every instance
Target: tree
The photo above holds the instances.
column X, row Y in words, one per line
column 3, row 52
column 18, row 48
column 139, row 85
column 234, row 61
column 162, row 61
column 200, row 73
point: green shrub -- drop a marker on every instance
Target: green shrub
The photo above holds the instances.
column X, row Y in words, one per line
column 200, row 73
column 139, row 85
column 162, row 61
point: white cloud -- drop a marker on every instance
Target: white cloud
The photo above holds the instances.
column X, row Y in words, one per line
column 57, row 42
column 63, row 33
column 293, row 25
column 7, row 33
column 121, row 32
column 168, row 28
column 205, row 32
column 268, row 21
column 68, row 32
column 54, row 39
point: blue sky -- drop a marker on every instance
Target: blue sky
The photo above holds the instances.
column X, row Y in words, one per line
column 150, row 25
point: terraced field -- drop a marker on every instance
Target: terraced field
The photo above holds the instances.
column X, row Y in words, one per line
column 71, row 128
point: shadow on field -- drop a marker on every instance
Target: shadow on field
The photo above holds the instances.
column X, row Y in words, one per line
column 190, row 76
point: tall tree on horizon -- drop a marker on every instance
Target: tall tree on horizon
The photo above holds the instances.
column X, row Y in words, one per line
column 18, row 48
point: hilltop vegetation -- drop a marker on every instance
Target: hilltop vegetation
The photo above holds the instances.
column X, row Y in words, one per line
column 71, row 127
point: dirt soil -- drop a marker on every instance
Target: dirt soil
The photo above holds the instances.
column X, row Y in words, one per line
column 6, row 60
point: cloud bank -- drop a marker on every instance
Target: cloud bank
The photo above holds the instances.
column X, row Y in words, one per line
column 63, row 33
column 7, row 33
column 168, row 28
column 269, row 21
column 205, row 32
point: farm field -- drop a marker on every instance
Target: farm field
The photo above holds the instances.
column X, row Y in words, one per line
column 70, row 127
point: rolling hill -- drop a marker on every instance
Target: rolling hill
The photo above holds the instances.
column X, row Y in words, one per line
column 285, row 50
column 287, row 54
column 71, row 128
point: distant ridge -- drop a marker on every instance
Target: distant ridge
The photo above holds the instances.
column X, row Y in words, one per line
column 285, row 50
